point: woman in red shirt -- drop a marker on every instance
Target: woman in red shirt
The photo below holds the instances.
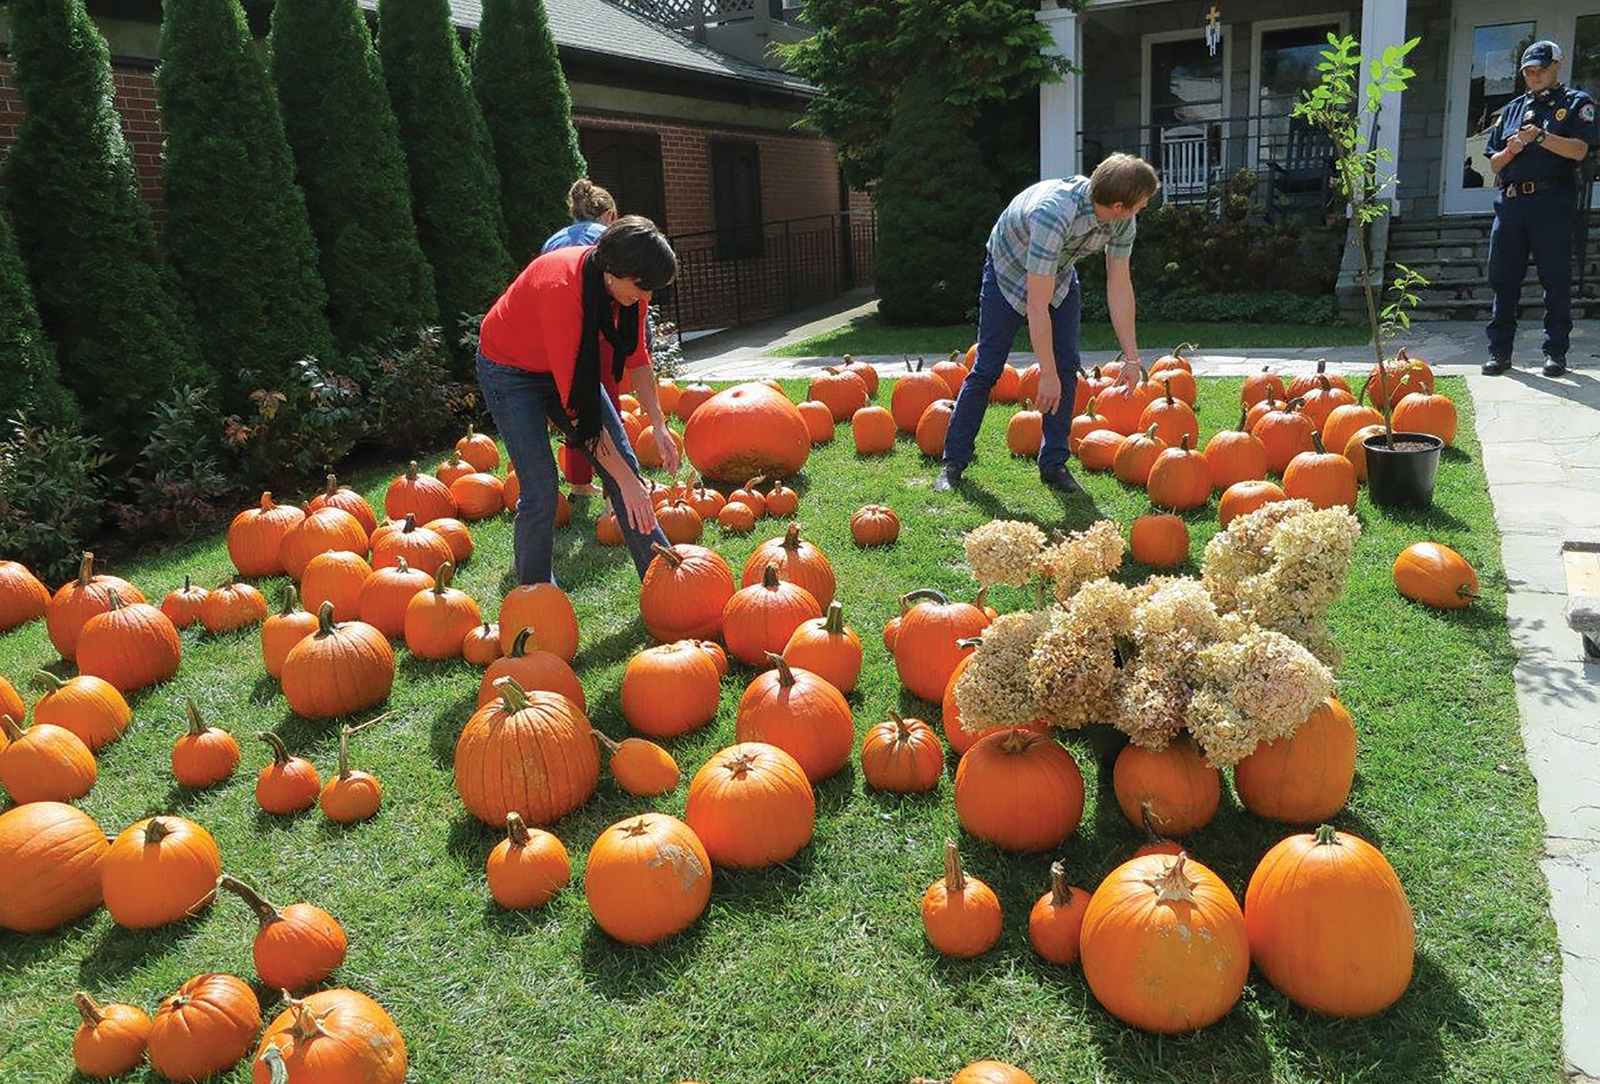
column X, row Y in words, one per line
column 569, row 316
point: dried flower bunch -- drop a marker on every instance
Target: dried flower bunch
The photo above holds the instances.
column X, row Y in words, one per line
column 994, row 685
column 1004, row 551
column 1013, row 552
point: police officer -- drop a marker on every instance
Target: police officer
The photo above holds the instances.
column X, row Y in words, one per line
column 1534, row 150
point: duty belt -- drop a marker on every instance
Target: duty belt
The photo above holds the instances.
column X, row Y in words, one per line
column 1528, row 188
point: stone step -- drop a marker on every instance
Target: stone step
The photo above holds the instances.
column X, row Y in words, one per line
column 1474, row 270
column 1476, row 309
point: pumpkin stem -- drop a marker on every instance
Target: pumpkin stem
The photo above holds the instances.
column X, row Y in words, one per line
column 1150, row 434
column 833, row 624
column 442, row 583
column 1147, row 817
column 519, row 646
column 955, row 879
column 1326, row 836
column 1316, row 442
column 410, row 523
column 280, row 752
column 1177, row 351
column 267, row 503
column 1015, row 741
column 512, row 695
column 401, row 564
column 1174, row 885
column 47, row 681
column 272, row 1058
column 969, row 641
column 791, row 537
column 469, row 432
column 981, row 599
column 307, row 1024
column 1166, row 384
column 638, row 827
column 86, row 569
column 197, row 725
column 614, row 747
column 785, row 672
column 325, row 625
column 1060, row 891
column 1244, row 416
column 333, row 485
column 1322, row 366
column 769, row 578
column 291, row 600
column 1184, row 443
column 344, row 750
column 267, row 913
column 9, row 725
column 922, row 594
column 89, row 1009
column 411, row 471
column 1089, row 407
column 156, row 831
column 1293, row 405
column 114, row 598
column 516, row 830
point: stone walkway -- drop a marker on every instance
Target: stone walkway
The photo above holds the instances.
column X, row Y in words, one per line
column 1541, row 451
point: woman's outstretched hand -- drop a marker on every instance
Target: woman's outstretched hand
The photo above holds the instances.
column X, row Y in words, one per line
column 670, row 460
column 636, row 504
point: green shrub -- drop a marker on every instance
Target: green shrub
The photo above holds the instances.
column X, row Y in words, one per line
column 341, row 128
column 936, row 204
column 522, row 91
column 237, row 229
column 455, row 188
column 107, row 299
column 415, row 400
column 301, row 431
column 179, row 482
column 27, row 358
column 1257, row 307
column 50, row 495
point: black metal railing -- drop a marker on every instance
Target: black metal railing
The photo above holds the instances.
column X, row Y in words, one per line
column 727, row 278
column 1292, row 161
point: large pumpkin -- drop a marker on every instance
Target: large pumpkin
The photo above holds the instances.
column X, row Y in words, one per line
column 528, row 753
column 1173, row 788
column 927, row 645
column 44, row 763
column 338, row 670
column 914, row 392
column 90, row 707
column 205, row 1028
column 1019, row 790
column 648, row 877
column 255, row 535
column 332, row 1037
column 547, row 610
column 1426, row 412
column 337, row 577
column 1163, row 944
column 160, row 870
column 1180, row 478
column 758, row 620
column 745, row 431
column 323, row 531
column 670, row 689
column 1306, row 777
column 798, row 561
column 1330, row 925
column 1435, row 575
column 50, row 861
column 801, row 714
column 417, row 494
column 684, row 592
column 437, row 621
column 874, row 525
column 77, row 600
column 296, row 946
column 22, row 597
column 873, row 429
column 752, row 806
column 130, row 645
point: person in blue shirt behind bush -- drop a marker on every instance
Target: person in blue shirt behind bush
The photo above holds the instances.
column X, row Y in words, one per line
column 592, row 210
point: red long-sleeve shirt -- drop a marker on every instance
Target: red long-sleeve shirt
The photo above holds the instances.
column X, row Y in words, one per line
column 537, row 323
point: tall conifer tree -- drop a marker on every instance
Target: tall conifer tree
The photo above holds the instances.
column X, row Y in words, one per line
column 28, row 370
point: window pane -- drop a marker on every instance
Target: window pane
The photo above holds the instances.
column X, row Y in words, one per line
column 1185, row 82
column 1289, row 60
column 1586, row 53
column 1496, row 79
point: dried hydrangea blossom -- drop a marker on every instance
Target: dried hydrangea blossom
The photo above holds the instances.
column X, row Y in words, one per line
column 1086, row 555
column 1241, row 551
column 1075, row 676
column 1004, row 551
column 994, row 689
column 1258, row 688
column 1151, row 703
column 1180, row 613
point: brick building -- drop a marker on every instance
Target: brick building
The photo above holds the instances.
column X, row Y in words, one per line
column 700, row 141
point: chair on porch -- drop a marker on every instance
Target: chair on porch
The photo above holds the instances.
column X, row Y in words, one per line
column 1300, row 176
column 1185, row 163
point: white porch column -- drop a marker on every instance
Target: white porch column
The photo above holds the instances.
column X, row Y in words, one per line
column 1060, row 106
column 1383, row 23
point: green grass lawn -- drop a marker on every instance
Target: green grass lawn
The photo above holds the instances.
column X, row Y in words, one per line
column 818, row 970
column 867, row 335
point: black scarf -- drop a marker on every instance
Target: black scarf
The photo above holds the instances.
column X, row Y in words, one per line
column 583, row 397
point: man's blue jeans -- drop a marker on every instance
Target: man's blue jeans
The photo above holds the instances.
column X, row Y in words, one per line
column 998, row 324
column 524, row 404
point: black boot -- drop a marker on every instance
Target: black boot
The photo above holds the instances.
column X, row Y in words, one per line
column 1495, row 366
column 949, row 478
column 1554, row 366
column 1060, row 480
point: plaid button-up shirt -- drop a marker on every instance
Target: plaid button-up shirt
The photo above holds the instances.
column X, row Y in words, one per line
column 1046, row 230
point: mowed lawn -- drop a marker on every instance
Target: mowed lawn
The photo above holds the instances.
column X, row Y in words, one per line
column 817, row 970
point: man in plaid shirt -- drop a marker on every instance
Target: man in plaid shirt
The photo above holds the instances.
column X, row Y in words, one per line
column 1030, row 276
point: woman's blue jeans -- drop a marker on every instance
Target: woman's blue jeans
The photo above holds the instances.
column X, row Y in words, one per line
column 998, row 324
column 524, row 405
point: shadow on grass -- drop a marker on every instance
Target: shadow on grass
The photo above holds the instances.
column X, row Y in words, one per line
column 444, row 729
column 20, row 950
column 121, row 951
column 1231, row 1049
column 265, row 690
column 636, row 972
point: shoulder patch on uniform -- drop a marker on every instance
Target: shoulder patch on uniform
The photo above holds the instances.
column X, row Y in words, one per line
column 1587, row 111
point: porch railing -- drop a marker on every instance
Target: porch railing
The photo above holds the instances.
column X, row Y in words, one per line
column 727, row 278
column 1293, row 162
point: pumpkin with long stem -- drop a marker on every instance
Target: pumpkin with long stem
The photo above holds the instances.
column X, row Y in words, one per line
column 231, row 607
column 527, row 868
column 23, row 597
column 352, row 795
column 111, row 1039
column 641, row 768
column 1322, row 399
column 438, row 621
column 960, row 914
column 1172, row 786
column 752, row 806
column 1435, row 575
column 338, row 670
column 1056, row 920
column 183, row 605
column 289, row 784
column 323, row 531
column 337, row 577
column 44, row 763
column 827, row 647
column 131, row 645
column 1019, row 761
column 1174, row 360
column 346, row 499
column 90, row 707
column 928, row 643
column 1137, row 454
column 902, row 755
column 205, row 755
column 647, row 878
column 418, row 494
column 287, row 627
column 206, row 1028
column 1324, row 478
column 800, row 713
column 1164, row 946
column 1154, row 841
column 80, row 599
column 51, row 856
column 331, row 1036
column 1306, row 777
column 751, row 497
column 256, row 535
column 528, row 752
column 915, row 391
column 158, row 871
column 1329, row 924
column 533, row 669
column 951, row 371
column 296, row 946
column 670, row 689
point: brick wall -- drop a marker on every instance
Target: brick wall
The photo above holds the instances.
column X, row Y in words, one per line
column 134, row 90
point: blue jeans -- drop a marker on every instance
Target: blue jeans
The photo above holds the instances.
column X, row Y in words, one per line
column 1537, row 224
column 998, row 324
column 524, row 405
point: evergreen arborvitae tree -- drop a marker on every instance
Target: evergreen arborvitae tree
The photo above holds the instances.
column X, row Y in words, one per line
column 348, row 160
column 28, row 370
column 106, row 297
column 237, row 230
column 936, row 205
column 522, row 91
column 455, row 188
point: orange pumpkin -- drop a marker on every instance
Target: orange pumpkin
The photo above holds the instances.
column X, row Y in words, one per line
column 914, row 392
column 735, row 517
column 1016, row 761
column 1028, row 386
column 1098, row 449
column 437, row 621
column 453, row 468
column 1426, row 412
column 44, row 763
column 51, row 855
column 534, row 670
column 130, row 646
column 481, row 646
column 952, row 372
column 801, row 714
column 933, row 425
column 1171, row 417
column 647, row 878
column 80, row 599
column 670, row 689
column 798, row 561
column 343, row 497
column 1285, row 432
column 205, row 1028
column 296, row 946
column 111, row 1039
column 1180, row 478
column 641, row 768
column 1086, row 421
column 182, row 604
column 1136, row 455
column 752, row 806
column 1435, row 575
column 90, row 707
column 478, row 496
column 828, row 648
column 818, row 419
column 1242, row 498
column 338, row 670
column 1007, row 386
column 544, row 608
column 1235, row 455
column 1306, row 381
column 416, row 494
column 1025, row 431
column 843, row 393
column 1401, row 376
column 782, row 501
column 479, row 450
column 158, row 871
column 22, row 597
column 421, row 548
column 955, row 732
column 1324, row 478
column 928, row 644
column 255, row 535
column 1056, row 920
column 867, row 373
column 751, row 497
column 745, row 431
column 528, row 752
column 386, row 594
column 527, row 868
column 684, row 592
column 902, row 755
column 1263, row 385
column 205, row 755
column 333, row 1035
column 289, row 784
column 336, row 577
column 351, row 795
column 873, row 429
column 691, row 399
column 1343, row 421
column 323, row 531
column 1173, row 788
column 1123, row 405
column 960, row 914
column 1323, row 399
column 231, row 607
column 1306, row 777
column 1161, row 541
column 607, row 531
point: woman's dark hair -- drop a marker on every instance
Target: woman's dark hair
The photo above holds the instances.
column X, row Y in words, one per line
column 634, row 249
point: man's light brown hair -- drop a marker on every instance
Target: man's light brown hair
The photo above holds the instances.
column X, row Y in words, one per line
column 1123, row 178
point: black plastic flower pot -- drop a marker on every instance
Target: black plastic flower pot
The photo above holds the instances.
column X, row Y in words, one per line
column 1402, row 476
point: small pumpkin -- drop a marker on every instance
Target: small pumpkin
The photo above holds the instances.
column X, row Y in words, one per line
column 1003, row 765
column 1086, row 421
column 481, row 646
column 90, row 707
column 22, row 597
column 289, row 784
column 828, row 648
column 607, row 530
column 782, row 501
column 1402, row 375
column 1324, row 478
column 231, row 607
column 873, row 429
column 1235, row 455
column 735, row 517
column 296, row 946
column 1025, row 431
column 1122, row 405
column 527, row 868
column 1355, row 449
column 641, row 768
column 932, row 427
column 351, row 795
column 1056, row 920
column 1435, row 575
column 752, row 806
column 960, row 914
column 336, row 577
column 800, row 713
column 111, row 1039
column 284, row 629
column 751, row 497
column 206, row 1028
column 1135, row 456
column 902, row 755
column 205, row 755
column 158, row 871
column 439, row 620
column 479, row 449
column 1242, row 498
column 690, row 399
column 534, row 670
column 680, row 522
column 1322, row 399
column 867, row 373
column 1306, row 381
column 647, row 878
column 952, row 372
column 386, row 594
column 44, row 763
column 874, row 525
column 1161, row 541
column 1345, row 420
column 335, row 495
column 183, row 605
column 842, row 392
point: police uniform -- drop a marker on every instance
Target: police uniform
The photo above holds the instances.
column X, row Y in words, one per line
column 1533, row 214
